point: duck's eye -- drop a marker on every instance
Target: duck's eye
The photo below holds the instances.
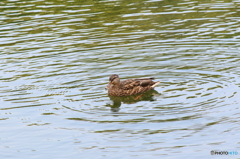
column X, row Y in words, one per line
column 112, row 78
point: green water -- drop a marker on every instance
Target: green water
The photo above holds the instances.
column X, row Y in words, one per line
column 56, row 58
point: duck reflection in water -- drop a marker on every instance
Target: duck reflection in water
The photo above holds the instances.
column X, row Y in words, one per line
column 131, row 90
column 117, row 101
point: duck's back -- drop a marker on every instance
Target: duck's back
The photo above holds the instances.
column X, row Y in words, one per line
column 133, row 86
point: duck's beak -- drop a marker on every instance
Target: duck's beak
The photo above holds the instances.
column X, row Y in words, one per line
column 107, row 87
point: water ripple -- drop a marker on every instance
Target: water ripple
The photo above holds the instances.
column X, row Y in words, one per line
column 56, row 58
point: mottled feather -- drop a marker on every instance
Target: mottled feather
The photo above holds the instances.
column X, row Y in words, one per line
column 130, row 86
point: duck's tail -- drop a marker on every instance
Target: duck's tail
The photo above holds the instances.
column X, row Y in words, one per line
column 155, row 84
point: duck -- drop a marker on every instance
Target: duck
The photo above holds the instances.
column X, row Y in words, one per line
column 130, row 86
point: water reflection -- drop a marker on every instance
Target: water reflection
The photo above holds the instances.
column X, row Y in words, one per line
column 56, row 57
column 117, row 101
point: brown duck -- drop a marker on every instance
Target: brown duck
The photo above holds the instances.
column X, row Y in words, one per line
column 130, row 86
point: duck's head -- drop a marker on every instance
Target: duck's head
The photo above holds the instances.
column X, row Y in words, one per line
column 114, row 79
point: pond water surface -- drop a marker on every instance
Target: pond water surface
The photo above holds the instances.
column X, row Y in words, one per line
column 56, row 58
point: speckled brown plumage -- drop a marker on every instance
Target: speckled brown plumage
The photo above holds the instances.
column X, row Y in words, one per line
column 130, row 86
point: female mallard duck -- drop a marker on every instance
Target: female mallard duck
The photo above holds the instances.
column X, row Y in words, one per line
column 130, row 86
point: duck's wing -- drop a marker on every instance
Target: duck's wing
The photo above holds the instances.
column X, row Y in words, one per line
column 150, row 78
column 145, row 81
column 133, row 83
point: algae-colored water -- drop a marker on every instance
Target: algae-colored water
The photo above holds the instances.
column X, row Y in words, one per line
column 56, row 58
